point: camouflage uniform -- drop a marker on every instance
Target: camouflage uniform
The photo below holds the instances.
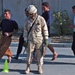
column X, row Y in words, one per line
column 35, row 38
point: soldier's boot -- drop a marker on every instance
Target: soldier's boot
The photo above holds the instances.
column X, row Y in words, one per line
column 40, row 71
column 27, row 71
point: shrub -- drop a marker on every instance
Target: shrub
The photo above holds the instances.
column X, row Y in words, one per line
column 59, row 25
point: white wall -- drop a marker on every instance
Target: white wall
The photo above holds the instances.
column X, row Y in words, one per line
column 0, row 7
column 17, row 7
column 59, row 5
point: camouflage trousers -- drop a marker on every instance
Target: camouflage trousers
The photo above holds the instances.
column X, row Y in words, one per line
column 38, row 52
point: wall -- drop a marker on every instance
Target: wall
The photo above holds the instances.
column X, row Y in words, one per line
column 59, row 5
column 1, row 7
column 17, row 7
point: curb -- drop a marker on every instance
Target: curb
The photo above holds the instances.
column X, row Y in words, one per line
column 15, row 44
column 61, row 44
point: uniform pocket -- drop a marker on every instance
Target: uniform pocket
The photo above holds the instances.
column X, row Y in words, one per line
column 38, row 27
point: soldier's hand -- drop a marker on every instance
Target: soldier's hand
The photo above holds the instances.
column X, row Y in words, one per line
column 25, row 44
column 46, row 42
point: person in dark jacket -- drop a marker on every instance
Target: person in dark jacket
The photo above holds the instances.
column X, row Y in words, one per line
column 73, row 26
column 47, row 16
column 8, row 27
column 21, row 41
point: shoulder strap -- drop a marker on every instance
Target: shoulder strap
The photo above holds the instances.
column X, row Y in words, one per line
column 32, row 26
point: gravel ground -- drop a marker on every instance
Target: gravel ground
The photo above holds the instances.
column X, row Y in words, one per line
column 54, row 39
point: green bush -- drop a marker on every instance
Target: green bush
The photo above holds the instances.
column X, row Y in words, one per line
column 59, row 25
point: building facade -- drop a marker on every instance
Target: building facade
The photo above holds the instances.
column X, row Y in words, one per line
column 17, row 7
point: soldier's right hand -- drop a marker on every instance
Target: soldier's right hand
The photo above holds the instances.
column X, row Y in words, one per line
column 25, row 44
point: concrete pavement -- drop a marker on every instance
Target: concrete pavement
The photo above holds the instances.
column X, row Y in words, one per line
column 63, row 65
column 14, row 44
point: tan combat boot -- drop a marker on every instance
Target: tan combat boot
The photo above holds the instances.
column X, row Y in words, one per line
column 27, row 71
column 40, row 71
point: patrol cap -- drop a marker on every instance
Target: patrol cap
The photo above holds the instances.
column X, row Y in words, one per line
column 31, row 9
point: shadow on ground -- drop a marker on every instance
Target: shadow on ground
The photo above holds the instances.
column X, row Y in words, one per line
column 61, row 56
column 21, row 71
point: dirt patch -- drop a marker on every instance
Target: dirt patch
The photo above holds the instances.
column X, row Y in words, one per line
column 62, row 39
column 54, row 39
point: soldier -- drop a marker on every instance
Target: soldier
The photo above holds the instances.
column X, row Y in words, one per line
column 35, row 31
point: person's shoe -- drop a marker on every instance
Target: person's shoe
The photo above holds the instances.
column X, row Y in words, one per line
column 54, row 56
column 74, row 52
column 34, row 59
column 27, row 71
column 40, row 71
column 16, row 57
column 9, row 59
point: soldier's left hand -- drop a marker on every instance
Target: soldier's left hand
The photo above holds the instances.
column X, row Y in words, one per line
column 46, row 42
